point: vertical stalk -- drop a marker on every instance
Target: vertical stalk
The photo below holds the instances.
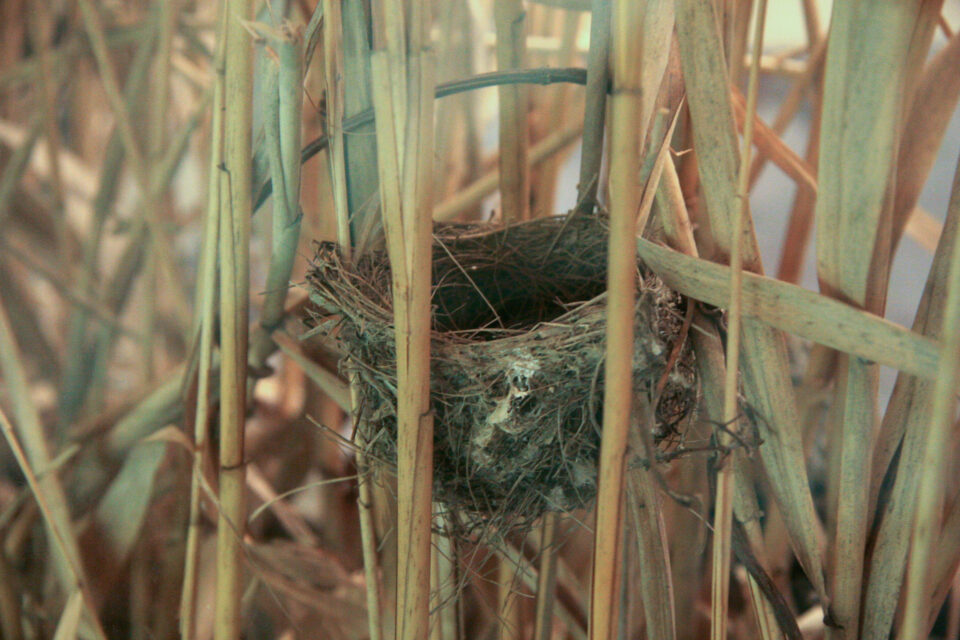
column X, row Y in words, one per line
column 595, row 109
column 547, row 577
column 621, row 286
column 510, row 19
column 403, row 85
column 723, row 509
column 333, row 72
column 206, row 313
column 234, row 251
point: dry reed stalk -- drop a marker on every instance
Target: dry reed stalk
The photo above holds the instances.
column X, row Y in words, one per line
column 403, row 100
column 333, row 70
column 205, row 318
column 234, row 252
column 360, row 148
column 723, row 508
column 791, row 103
column 443, row 583
column 595, row 108
column 509, row 604
column 765, row 369
column 627, row 21
column 514, row 168
column 333, row 74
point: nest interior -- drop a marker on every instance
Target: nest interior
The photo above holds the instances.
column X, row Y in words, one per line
column 517, row 352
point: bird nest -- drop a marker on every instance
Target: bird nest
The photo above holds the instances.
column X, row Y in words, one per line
column 517, row 353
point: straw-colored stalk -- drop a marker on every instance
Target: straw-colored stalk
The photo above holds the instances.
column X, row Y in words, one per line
column 234, row 252
column 598, row 75
column 928, row 517
column 333, row 74
column 723, row 508
column 625, row 199
column 514, row 169
column 206, row 317
column 444, row 584
column 403, row 91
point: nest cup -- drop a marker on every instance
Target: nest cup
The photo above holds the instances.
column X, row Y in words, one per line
column 517, row 352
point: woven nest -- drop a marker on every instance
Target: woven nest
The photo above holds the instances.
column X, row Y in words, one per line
column 517, row 354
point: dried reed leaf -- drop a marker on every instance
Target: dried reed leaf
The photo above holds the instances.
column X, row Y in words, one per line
column 656, row 580
column 798, row 311
column 937, row 448
column 859, row 134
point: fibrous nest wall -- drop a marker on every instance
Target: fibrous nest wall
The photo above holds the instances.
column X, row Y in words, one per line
column 517, row 356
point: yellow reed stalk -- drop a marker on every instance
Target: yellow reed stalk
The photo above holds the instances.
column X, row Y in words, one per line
column 627, row 20
column 723, row 508
column 206, row 314
column 765, row 370
column 405, row 156
column 234, row 251
column 514, row 169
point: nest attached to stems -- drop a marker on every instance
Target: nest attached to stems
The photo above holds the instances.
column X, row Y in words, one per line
column 517, row 352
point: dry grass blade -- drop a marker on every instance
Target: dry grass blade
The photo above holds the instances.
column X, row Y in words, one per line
column 770, row 144
column 928, row 516
column 858, row 139
column 765, row 369
column 33, row 457
column 904, row 428
column 234, row 252
column 646, row 517
column 797, row 310
column 63, row 539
